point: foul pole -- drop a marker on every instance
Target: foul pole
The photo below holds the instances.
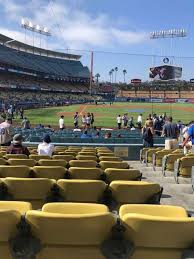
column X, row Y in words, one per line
column 91, row 71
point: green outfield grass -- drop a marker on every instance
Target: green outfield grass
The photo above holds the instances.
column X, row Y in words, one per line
column 105, row 115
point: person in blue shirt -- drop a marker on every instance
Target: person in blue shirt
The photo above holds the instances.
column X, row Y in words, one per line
column 190, row 135
column 85, row 135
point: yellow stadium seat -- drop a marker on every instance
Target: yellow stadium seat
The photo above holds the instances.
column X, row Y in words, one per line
column 184, row 166
column 9, row 219
column 52, row 162
column 18, row 156
column 86, row 154
column 168, row 162
column 168, row 211
column 19, row 171
column 105, row 154
column 73, row 153
column 20, row 206
column 110, row 158
column 83, row 157
column 33, row 190
column 74, row 208
column 82, row 190
column 92, row 173
column 135, row 192
column 38, row 157
column 86, row 233
column 149, row 154
column 158, row 156
column 158, row 236
column 27, row 162
column 143, row 154
column 63, row 157
column 113, row 164
column 113, row 174
column 82, row 163
column 3, row 161
column 50, row 172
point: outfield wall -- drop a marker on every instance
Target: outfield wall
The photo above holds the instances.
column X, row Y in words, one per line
column 157, row 94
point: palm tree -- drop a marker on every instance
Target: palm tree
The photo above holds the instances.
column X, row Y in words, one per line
column 112, row 70
column 116, row 70
column 124, row 73
column 97, row 78
column 110, row 74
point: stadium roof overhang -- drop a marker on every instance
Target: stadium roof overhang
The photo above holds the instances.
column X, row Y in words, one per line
column 9, row 42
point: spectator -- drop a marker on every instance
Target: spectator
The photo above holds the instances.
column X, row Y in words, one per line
column 88, row 120
column 171, row 134
column 107, row 135
column 148, row 133
column 125, row 120
column 97, row 135
column 61, row 123
column 131, row 123
column 119, row 120
column 84, row 121
column 92, row 119
column 46, row 148
column 6, row 133
column 76, row 120
column 16, row 147
column 25, row 123
column 139, row 121
column 189, row 136
column 157, row 126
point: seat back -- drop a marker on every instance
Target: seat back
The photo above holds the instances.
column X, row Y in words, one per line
column 82, row 190
column 27, row 162
column 82, row 163
column 133, row 192
column 50, row 172
column 83, row 157
column 171, row 233
column 33, row 190
column 110, row 158
column 86, row 232
column 63, row 157
column 38, row 157
column 113, row 174
column 19, row 171
column 18, row 156
column 113, row 164
column 186, row 164
column 92, row 173
column 52, row 162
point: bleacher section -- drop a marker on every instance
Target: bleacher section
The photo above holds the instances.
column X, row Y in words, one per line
column 47, row 66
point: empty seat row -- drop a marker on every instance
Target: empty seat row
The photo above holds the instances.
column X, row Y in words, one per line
column 59, row 172
column 85, row 231
column 64, row 163
column 40, row 190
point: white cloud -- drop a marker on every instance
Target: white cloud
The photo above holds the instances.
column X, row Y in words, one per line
column 71, row 27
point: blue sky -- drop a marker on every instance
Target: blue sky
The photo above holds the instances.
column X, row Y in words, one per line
column 105, row 25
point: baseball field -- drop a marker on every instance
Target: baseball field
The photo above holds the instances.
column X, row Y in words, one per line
column 105, row 114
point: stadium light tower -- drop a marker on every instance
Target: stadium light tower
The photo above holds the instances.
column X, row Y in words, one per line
column 35, row 28
column 174, row 33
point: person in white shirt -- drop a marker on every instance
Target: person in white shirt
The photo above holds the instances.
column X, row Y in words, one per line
column 139, row 121
column 119, row 121
column 46, row 148
column 61, row 123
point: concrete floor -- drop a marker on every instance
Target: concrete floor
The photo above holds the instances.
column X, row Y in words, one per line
column 173, row 194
